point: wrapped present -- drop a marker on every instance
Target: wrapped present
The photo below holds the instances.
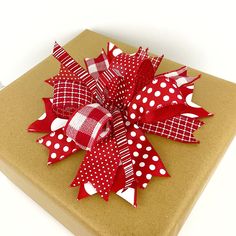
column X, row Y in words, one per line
column 82, row 109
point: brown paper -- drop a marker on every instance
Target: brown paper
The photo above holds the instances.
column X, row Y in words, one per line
column 163, row 206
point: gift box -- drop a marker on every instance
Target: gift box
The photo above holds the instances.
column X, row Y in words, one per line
column 164, row 205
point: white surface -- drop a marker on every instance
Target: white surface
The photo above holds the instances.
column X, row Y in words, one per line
column 200, row 34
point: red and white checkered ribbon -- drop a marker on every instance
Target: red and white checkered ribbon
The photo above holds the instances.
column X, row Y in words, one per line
column 143, row 54
column 88, row 125
column 97, row 65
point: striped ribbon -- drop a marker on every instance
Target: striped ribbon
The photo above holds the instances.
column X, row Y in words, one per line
column 122, row 144
column 63, row 57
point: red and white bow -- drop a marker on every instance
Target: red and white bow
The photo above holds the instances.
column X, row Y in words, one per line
column 107, row 109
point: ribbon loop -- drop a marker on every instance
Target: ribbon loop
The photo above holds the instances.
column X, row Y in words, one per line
column 159, row 100
column 69, row 96
column 89, row 125
column 107, row 86
column 137, row 72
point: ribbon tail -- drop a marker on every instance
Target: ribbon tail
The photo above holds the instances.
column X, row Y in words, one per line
column 122, row 144
column 64, row 58
column 99, row 167
column 147, row 163
column 86, row 190
column 143, row 54
column 192, row 110
column 59, row 145
column 97, row 65
column 64, row 74
column 182, row 71
column 48, row 121
column 112, row 51
column 129, row 195
column 179, row 128
column 180, row 76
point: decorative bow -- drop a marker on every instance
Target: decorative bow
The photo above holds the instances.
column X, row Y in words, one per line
column 107, row 109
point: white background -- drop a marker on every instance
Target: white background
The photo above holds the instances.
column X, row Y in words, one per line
column 200, row 34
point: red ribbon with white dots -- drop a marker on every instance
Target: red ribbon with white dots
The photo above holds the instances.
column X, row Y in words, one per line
column 107, row 109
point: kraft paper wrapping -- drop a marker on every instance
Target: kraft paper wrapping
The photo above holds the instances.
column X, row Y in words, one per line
column 163, row 206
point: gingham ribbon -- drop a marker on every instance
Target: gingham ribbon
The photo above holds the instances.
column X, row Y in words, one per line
column 97, row 65
column 88, row 125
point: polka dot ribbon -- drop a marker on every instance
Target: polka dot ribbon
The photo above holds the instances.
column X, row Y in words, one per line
column 107, row 109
